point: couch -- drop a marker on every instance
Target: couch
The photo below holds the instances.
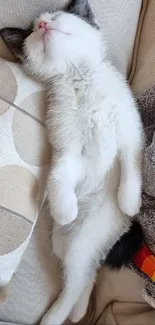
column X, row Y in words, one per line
column 116, row 299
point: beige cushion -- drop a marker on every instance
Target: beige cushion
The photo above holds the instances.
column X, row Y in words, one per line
column 114, row 18
column 117, row 300
column 145, row 68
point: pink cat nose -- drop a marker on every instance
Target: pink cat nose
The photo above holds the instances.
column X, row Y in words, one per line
column 42, row 24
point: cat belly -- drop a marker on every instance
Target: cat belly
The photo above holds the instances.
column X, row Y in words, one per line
column 98, row 159
column 99, row 221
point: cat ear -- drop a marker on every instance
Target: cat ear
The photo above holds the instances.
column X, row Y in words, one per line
column 82, row 9
column 14, row 39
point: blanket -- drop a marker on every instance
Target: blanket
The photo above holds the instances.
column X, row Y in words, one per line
column 146, row 217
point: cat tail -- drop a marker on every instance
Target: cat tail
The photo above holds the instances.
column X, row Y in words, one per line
column 121, row 254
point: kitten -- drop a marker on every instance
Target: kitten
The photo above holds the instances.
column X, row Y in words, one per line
column 96, row 136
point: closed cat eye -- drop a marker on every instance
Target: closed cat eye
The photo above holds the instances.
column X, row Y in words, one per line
column 56, row 16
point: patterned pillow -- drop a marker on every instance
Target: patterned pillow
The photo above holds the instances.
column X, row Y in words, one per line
column 24, row 162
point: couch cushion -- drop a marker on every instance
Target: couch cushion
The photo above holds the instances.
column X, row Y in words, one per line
column 145, row 68
column 137, row 41
column 114, row 18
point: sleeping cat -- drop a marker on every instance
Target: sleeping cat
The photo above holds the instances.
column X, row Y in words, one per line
column 95, row 132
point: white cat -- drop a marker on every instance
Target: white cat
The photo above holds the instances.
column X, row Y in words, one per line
column 96, row 136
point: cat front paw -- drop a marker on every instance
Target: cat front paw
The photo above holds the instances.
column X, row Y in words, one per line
column 63, row 205
column 129, row 197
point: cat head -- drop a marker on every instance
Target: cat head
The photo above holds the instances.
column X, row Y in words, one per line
column 57, row 41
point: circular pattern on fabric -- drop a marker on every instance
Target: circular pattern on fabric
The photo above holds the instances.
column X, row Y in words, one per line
column 30, row 140
column 19, row 191
column 8, row 86
column 3, row 107
column 14, row 231
column 35, row 104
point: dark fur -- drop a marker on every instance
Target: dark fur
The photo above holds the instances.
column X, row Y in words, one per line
column 82, row 9
column 123, row 251
column 14, row 39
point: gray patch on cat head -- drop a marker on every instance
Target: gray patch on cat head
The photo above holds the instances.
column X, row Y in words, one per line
column 82, row 9
column 14, row 39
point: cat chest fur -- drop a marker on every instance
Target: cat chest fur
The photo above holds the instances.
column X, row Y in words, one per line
column 97, row 124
